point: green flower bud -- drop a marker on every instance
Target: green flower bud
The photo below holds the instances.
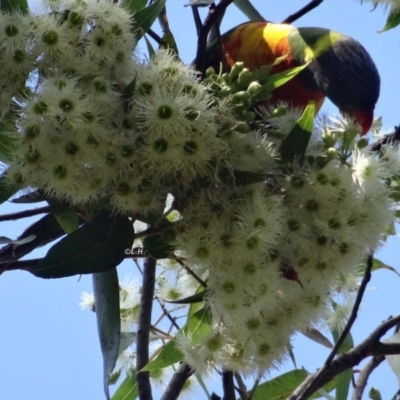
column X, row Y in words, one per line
column 225, row 91
column 328, row 139
column 254, row 88
column 244, row 77
column 279, row 111
column 363, row 142
column 236, row 69
column 243, row 128
column 331, row 153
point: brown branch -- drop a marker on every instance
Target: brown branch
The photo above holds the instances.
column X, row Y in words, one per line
column 228, row 385
column 197, row 19
column 154, row 36
column 364, row 375
column 144, row 325
column 175, row 386
column 212, row 17
column 396, row 395
column 354, row 311
column 25, row 214
column 371, row 346
column 241, row 387
column 310, row 6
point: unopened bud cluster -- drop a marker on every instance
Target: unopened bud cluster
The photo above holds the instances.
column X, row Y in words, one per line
column 95, row 125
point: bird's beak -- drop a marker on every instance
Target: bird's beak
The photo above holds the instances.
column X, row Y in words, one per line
column 364, row 119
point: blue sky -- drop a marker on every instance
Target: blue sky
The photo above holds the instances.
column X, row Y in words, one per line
column 49, row 347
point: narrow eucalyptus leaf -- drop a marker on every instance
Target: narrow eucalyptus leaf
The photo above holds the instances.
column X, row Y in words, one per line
column 106, row 295
column 97, row 246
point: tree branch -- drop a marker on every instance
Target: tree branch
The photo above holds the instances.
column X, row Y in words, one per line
column 228, row 385
column 371, row 346
column 364, row 375
column 241, row 387
column 354, row 311
column 154, row 36
column 144, row 324
column 310, row 6
column 175, row 386
column 212, row 17
column 25, row 214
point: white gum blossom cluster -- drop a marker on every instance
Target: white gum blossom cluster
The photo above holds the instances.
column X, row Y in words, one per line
column 95, row 125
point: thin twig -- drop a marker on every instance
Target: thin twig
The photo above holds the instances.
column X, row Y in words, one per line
column 310, row 6
column 354, row 311
column 175, row 386
column 212, row 17
column 228, row 385
column 222, row 57
column 364, row 375
column 253, row 389
column 241, row 387
column 396, row 395
column 371, row 346
column 154, row 36
column 144, row 324
column 25, row 214
column 190, row 272
column 167, row 314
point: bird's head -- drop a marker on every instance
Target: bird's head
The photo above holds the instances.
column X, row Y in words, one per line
column 349, row 78
column 364, row 118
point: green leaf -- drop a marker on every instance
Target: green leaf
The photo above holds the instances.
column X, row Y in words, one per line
column 280, row 78
column 65, row 215
column 343, row 380
column 134, row 5
column 376, row 265
column 157, row 247
column 331, row 385
column 168, row 42
column 195, row 298
column 45, row 230
column 392, row 21
column 6, row 240
column 315, row 335
column 128, row 390
column 394, row 360
column 126, row 339
column 144, row 19
column 296, row 142
column 169, row 355
column 106, row 295
column 14, row 5
column 150, row 48
column 127, row 95
column 374, row 394
column 97, row 246
column 199, row 325
column 113, row 379
column 248, row 10
column 281, row 387
column 6, row 190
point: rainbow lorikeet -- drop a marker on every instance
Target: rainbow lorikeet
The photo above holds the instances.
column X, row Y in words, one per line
column 340, row 68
